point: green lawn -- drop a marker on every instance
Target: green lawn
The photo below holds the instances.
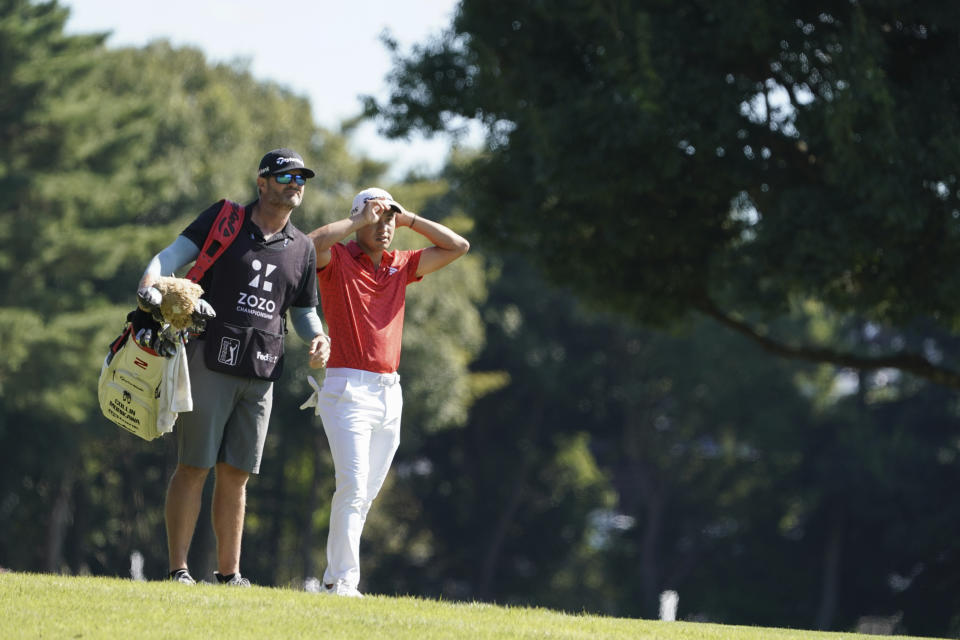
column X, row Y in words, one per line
column 51, row 606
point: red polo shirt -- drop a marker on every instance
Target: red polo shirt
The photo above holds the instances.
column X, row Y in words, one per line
column 364, row 306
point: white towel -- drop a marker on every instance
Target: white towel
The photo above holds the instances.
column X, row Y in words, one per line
column 175, row 393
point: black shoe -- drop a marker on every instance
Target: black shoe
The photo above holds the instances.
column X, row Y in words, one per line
column 182, row 576
column 233, row 580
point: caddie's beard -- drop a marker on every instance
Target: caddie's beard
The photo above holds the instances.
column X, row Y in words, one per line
column 288, row 197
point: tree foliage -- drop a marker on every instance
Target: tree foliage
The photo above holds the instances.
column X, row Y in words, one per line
column 619, row 462
column 729, row 159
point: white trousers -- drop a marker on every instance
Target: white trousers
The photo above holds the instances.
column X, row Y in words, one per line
column 360, row 411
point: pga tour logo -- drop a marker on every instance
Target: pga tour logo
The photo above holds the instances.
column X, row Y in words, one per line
column 229, row 348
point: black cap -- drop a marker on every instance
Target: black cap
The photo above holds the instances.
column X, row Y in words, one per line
column 281, row 161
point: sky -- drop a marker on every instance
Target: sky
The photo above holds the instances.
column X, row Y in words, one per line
column 330, row 52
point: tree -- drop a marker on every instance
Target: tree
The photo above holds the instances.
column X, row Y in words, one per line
column 38, row 65
column 619, row 462
column 733, row 160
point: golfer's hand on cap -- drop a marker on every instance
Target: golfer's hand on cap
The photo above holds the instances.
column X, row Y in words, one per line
column 372, row 211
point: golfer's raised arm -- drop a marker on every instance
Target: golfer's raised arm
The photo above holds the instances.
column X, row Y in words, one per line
column 447, row 244
column 330, row 234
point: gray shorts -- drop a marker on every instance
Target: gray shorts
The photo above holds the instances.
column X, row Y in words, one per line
column 229, row 419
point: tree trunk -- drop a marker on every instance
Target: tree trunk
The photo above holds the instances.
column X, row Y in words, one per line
column 60, row 516
column 650, row 554
column 642, row 492
column 491, row 559
column 830, row 586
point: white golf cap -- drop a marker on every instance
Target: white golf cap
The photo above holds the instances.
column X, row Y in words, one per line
column 374, row 193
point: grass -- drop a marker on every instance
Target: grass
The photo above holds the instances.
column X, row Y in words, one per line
column 85, row 608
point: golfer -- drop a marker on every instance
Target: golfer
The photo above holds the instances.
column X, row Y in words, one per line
column 362, row 293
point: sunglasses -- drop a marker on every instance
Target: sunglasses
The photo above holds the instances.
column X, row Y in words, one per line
column 287, row 177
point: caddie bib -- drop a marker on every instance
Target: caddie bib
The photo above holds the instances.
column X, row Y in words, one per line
column 250, row 287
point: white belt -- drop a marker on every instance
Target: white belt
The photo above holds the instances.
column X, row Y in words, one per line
column 365, row 377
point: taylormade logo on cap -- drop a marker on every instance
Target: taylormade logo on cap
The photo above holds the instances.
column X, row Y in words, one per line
column 280, row 160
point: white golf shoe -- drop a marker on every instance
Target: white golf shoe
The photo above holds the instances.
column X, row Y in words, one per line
column 341, row 588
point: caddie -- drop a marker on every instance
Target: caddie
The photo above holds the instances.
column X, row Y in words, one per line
column 267, row 269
